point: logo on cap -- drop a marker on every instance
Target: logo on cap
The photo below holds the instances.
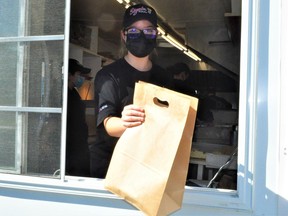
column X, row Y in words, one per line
column 135, row 11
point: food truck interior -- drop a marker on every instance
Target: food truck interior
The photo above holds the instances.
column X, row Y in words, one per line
column 210, row 30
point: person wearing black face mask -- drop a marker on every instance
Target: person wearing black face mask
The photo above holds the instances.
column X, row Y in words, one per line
column 140, row 43
column 114, row 85
column 77, row 152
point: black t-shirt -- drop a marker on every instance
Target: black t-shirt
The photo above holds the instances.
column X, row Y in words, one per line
column 114, row 89
column 77, row 153
column 114, row 86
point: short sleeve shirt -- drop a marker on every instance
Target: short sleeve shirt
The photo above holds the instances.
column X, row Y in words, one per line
column 114, row 88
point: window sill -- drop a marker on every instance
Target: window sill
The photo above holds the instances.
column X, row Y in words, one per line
column 81, row 186
column 91, row 187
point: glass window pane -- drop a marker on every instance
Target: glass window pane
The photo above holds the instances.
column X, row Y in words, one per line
column 45, row 17
column 43, row 74
column 9, row 16
column 7, row 140
column 40, row 145
column 8, row 73
column 41, row 71
column 43, row 144
column 38, row 17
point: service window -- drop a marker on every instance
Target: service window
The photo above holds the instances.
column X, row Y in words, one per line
column 206, row 39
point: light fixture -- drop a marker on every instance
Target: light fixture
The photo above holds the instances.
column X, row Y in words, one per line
column 170, row 39
column 160, row 30
column 127, row 5
column 192, row 55
column 177, row 44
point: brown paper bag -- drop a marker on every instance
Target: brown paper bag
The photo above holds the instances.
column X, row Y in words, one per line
column 150, row 162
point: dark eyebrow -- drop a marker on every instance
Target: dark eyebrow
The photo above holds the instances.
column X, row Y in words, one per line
column 150, row 26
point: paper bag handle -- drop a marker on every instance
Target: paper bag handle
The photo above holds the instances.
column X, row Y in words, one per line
column 161, row 103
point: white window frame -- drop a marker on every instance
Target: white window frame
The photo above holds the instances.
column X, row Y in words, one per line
column 19, row 109
column 240, row 199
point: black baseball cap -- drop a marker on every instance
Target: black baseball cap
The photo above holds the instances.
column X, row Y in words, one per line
column 139, row 12
column 75, row 65
column 181, row 67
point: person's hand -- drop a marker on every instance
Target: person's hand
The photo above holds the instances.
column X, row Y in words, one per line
column 132, row 116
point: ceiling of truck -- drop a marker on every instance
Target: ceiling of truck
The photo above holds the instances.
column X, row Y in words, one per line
column 210, row 27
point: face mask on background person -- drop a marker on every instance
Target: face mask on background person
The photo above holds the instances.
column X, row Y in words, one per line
column 139, row 45
column 79, row 81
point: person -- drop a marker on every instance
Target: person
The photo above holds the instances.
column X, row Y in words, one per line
column 114, row 85
column 208, row 100
column 181, row 74
column 77, row 152
column 183, row 84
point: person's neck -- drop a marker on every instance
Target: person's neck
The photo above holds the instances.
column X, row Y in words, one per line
column 141, row 64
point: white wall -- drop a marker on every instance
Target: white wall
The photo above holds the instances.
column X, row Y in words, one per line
column 283, row 177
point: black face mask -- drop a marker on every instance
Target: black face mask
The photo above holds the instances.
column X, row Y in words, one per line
column 140, row 46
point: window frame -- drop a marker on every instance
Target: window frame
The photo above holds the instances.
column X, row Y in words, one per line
column 18, row 108
column 240, row 199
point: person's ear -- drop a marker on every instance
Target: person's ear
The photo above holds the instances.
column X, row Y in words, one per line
column 123, row 36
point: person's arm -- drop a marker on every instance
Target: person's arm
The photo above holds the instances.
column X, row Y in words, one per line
column 132, row 116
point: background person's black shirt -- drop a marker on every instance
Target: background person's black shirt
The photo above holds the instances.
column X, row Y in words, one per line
column 77, row 152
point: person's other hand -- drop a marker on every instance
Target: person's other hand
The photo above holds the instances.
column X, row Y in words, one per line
column 132, row 116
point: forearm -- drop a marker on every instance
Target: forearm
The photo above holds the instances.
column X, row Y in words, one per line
column 114, row 126
column 132, row 116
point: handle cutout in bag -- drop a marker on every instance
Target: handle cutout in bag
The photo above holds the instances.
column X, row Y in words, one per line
column 160, row 103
